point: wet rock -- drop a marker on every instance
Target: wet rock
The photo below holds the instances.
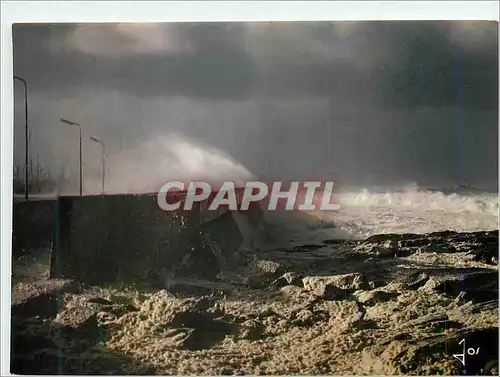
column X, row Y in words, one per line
column 432, row 318
column 308, row 318
column 383, row 249
column 184, row 288
column 45, row 305
column 39, row 363
column 433, row 284
column 50, row 288
column 415, row 280
column 288, row 278
column 373, row 297
column 196, row 330
column 460, row 299
column 78, row 317
column 336, row 242
column 331, row 292
column 99, row 301
column 490, row 368
column 370, row 261
column 134, row 300
column 397, row 336
column 347, row 282
column 120, row 310
column 87, row 314
column 479, row 286
column 204, row 303
column 437, row 249
column 346, row 315
column 197, row 288
column 261, row 273
column 382, row 238
column 413, row 243
column 484, row 339
column 377, row 283
column 395, row 286
column 23, row 344
column 292, row 291
column 378, row 251
column 231, row 277
column 226, row 372
column 391, row 244
column 435, row 353
column 251, row 330
column 484, row 237
column 303, row 248
column 487, row 305
column 486, row 253
column 482, row 246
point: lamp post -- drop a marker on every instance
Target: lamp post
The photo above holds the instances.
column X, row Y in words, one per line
column 103, row 160
column 80, row 128
column 26, row 167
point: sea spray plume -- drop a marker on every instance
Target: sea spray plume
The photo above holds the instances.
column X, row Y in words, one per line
column 168, row 158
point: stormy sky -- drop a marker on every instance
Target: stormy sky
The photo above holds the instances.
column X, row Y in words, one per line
column 363, row 103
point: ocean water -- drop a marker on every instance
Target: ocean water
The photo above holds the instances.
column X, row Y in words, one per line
column 365, row 213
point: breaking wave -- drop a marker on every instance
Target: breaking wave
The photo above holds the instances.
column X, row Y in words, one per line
column 365, row 213
column 423, row 201
column 170, row 158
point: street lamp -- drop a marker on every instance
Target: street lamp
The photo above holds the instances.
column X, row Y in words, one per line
column 26, row 168
column 103, row 159
column 80, row 128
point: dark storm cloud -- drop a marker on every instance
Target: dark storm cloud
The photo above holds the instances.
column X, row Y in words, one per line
column 214, row 67
column 421, row 67
column 426, row 69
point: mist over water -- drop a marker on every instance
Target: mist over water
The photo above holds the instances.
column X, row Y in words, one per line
column 148, row 167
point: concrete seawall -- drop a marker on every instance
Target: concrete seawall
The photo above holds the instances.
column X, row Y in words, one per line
column 126, row 238
column 33, row 225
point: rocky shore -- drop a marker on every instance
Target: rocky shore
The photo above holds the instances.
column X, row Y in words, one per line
column 390, row 304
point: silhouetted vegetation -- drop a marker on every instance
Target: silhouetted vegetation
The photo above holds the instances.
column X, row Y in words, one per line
column 39, row 179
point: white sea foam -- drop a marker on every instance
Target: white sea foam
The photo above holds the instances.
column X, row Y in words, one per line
column 365, row 213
